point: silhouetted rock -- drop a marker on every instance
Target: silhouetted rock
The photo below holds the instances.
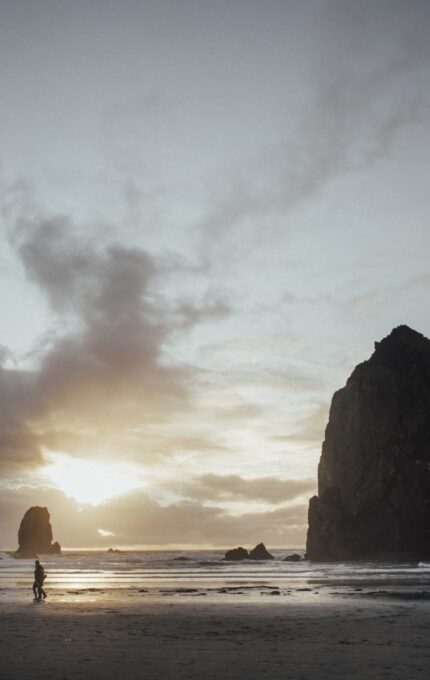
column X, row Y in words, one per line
column 295, row 557
column 236, row 554
column 35, row 534
column 113, row 550
column 260, row 553
column 374, row 473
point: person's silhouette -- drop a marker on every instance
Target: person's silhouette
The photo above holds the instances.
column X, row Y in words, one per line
column 39, row 577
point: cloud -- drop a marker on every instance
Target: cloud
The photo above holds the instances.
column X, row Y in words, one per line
column 369, row 88
column 311, row 427
column 19, row 447
column 193, row 524
column 20, row 402
column 165, row 442
column 235, row 488
column 105, row 366
column 344, row 131
column 421, row 282
column 362, row 305
column 212, row 308
column 243, row 411
column 235, row 360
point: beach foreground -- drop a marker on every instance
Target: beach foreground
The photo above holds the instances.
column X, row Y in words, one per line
column 187, row 637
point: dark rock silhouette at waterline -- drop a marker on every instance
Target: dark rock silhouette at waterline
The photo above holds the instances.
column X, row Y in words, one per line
column 257, row 553
column 260, row 553
column 35, row 534
column 295, row 557
column 374, row 473
column 236, row 555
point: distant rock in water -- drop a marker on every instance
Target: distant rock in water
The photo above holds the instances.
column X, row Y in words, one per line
column 113, row 550
column 257, row 553
column 374, row 473
column 35, row 534
column 55, row 549
column 236, row 554
column 295, row 557
column 260, row 553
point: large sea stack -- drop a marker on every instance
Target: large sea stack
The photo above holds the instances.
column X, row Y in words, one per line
column 374, row 473
column 35, row 534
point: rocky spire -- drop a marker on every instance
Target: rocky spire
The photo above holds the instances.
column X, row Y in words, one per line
column 35, row 534
column 374, row 473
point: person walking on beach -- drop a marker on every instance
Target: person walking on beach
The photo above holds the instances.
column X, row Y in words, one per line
column 39, row 577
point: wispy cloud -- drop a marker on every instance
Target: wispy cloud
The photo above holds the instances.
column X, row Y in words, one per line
column 310, row 428
column 369, row 92
column 235, row 488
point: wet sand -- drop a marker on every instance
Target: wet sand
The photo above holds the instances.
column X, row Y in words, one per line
column 189, row 637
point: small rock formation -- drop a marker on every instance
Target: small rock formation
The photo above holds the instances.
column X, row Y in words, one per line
column 260, row 553
column 236, row 554
column 35, row 534
column 257, row 553
column 295, row 557
column 113, row 550
column 374, row 473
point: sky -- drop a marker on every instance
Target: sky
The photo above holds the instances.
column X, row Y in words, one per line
column 209, row 213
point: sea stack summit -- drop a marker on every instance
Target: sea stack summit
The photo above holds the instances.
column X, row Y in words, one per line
column 35, row 534
column 374, row 473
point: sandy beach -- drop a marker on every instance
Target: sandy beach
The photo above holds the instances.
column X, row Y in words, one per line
column 185, row 636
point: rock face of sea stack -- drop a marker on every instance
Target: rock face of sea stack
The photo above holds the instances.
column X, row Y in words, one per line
column 374, row 473
column 35, row 534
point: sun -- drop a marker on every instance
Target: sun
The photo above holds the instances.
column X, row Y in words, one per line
column 90, row 481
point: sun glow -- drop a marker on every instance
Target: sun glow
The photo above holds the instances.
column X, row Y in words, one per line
column 90, row 481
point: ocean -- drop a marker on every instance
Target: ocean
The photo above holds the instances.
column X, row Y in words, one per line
column 83, row 574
